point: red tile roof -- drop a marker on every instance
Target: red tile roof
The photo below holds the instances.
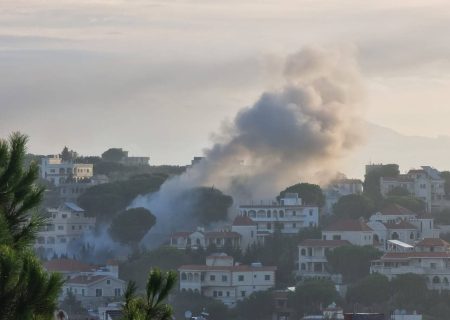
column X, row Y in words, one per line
column 348, row 225
column 432, row 242
column 67, row 265
column 243, row 221
column 409, row 255
column 395, row 209
column 242, row 268
column 403, row 224
column 324, row 243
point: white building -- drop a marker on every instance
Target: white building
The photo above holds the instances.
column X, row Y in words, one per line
column 289, row 215
column 70, row 268
column 57, row 171
column 425, row 183
column 224, row 280
column 398, row 223
column 312, row 260
column 63, row 231
column 94, row 290
column 355, row 231
column 248, row 230
column 204, row 239
column 339, row 188
column 429, row 257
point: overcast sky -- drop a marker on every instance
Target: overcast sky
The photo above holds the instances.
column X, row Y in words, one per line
column 159, row 77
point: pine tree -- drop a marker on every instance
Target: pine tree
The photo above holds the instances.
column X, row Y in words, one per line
column 151, row 306
column 27, row 291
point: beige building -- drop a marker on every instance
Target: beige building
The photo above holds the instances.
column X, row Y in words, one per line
column 57, row 171
column 223, row 279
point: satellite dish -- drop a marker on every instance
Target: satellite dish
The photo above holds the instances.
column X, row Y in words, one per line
column 188, row 314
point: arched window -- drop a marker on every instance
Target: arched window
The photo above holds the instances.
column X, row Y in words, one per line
column 411, row 236
column 303, row 252
column 196, row 277
column 394, row 236
column 183, row 276
column 436, row 279
column 190, row 277
column 252, row 214
column 269, row 214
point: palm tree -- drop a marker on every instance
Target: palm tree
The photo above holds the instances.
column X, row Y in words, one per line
column 151, row 306
column 27, row 291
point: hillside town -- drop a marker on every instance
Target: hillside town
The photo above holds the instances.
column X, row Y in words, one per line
column 350, row 240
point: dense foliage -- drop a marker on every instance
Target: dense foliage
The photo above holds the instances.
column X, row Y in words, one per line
column 130, row 226
column 372, row 180
column 106, row 200
column 412, row 203
column 196, row 303
column 27, row 291
column 354, row 206
column 152, row 305
column 311, row 194
column 352, row 262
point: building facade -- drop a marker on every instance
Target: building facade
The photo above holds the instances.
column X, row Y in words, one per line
column 289, row 215
column 224, row 280
column 57, row 171
column 63, row 231
column 355, row 231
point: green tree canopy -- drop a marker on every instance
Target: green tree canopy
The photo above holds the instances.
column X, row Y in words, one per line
column 372, row 180
column 258, row 306
column 312, row 295
column 373, row 289
column 354, row 206
column 27, row 291
column 412, row 203
column 399, row 192
column 409, row 291
column 104, row 201
column 114, row 155
column 353, row 262
column 152, row 305
column 130, row 226
column 311, row 194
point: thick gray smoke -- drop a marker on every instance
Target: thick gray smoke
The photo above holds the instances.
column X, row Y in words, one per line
column 286, row 136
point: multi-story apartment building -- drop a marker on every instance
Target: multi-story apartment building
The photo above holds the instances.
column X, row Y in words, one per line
column 429, row 257
column 289, row 215
column 63, row 230
column 224, row 280
column 425, row 183
column 57, row 171
column 312, row 260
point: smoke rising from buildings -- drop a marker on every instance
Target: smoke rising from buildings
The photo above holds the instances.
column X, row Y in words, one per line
column 287, row 136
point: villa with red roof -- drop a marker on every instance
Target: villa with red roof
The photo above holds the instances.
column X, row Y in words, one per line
column 429, row 257
column 355, row 231
column 204, row 239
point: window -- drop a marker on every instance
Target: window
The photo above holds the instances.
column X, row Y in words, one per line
column 310, row 212
column 212, row 277
column 98, row 292
column 73, row 227
column 228, row 293
column 294, row 225
column 224, row 278
column 240, row 278
column 82, row 292
column 117, row 292
column 267, row 277
column 108, row 281
column 242, row 293
column 269, row 226
column 215, row 294
column 281, row 214
column 79, row 227
column 336, row 237
column 303, row 252
column 251, row 234
column 60, row 227
column 183, row 276
column 220, row 293
column 294, row 213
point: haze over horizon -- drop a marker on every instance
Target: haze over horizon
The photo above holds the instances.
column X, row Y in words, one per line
column 159, row 78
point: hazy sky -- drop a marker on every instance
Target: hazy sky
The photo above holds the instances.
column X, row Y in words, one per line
column 159, row 77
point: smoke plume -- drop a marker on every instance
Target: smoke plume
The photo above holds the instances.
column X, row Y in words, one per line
column 287, row 136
